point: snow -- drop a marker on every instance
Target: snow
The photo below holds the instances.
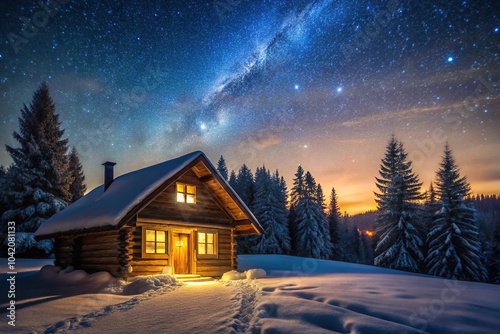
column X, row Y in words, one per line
column 235, row 275
column 232, row 275
column 298, row 295
column 255, row 273
column 319, row 296
column 102, row 208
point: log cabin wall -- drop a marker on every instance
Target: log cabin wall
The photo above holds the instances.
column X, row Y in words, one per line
column 63, row 251
column 205, row 210
column 223, row 262
column 99, row 252
column 141, row 266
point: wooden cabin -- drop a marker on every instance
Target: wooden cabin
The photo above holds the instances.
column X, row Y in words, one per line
column 180, row 213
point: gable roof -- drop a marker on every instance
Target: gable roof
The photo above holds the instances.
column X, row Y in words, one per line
column 131, row 192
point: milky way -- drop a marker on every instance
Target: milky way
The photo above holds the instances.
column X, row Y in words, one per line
column 318, row 83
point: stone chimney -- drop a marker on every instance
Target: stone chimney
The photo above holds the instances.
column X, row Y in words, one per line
column 108, row 173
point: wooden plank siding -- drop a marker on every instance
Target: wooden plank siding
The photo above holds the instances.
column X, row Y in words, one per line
column 205, row 210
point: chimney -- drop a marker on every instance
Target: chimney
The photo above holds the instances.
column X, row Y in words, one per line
column 108, row 173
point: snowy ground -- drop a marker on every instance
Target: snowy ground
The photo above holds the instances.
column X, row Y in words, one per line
column 298, row 296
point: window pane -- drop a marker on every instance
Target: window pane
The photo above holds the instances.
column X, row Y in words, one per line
column 150, row 235
column 201, row 248
column 191, row 189
column 201, row 238
column 180, row 197
column 160, row 248
column 210, row 249
column 210, row 238
column 180, row 188
column 150, row 247
column 189, row 198
column 160, row 236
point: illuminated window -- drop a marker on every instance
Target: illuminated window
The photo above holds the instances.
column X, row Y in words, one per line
column 207, row 243
column 186, row 193
column 156, row 242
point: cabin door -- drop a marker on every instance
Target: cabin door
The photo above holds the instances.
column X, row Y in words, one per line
column 181, row 253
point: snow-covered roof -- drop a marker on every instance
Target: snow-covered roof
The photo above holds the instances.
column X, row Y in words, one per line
column 101, row 209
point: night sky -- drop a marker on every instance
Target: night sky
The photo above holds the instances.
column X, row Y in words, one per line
column 319, row 83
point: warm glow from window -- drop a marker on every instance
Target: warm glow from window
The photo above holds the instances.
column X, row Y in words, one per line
column 206, row 243
column 156, row 242
column 186, row 193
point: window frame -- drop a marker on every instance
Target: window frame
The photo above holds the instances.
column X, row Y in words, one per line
column 215, row 243
column 185, row 192
column 143, row 242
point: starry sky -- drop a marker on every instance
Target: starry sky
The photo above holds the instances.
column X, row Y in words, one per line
column 319, row 83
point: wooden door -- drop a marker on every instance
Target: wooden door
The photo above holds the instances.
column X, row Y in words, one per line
column 181, row 253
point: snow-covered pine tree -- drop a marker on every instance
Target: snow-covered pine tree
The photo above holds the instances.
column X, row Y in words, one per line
column 39, row 179
column 77, row 188
column 334, row 226
column 244, row 187
column 270, row 210
column 397, row 224
column 48, row 135
column 454, row 246
column 222, row 168
column 313, row 238
column 296, row 193
column 320, row 197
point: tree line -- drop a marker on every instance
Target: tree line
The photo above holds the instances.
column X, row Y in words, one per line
column 44, row 177
column 436, row 232
column 296, row 222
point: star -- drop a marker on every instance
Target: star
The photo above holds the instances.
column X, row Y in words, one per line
column 296, row 87
column 203, row 126
column 450, row 59
column 339, row 89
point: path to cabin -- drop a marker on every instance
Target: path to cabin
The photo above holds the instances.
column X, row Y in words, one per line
column 208, row 307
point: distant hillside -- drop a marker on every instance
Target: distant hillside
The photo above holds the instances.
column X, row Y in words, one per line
column 364, row 221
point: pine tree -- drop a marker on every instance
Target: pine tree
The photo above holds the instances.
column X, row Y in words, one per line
column 493, row 256
column 244, row 187
column 270, row 210
column 313, row 238
column 222, row 168
column 39, row 180
column 454, row 246
column 4, row 205
column 232, row 180
column 334, row 227
column 297, row 193
column 429, row 208
column 320, row 197
column 347, row 243
column 77, row 188
column 298, row 186
column 397, row 224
